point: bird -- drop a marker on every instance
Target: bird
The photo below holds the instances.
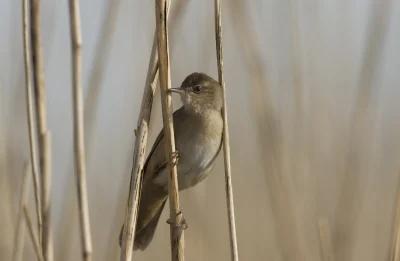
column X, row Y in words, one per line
column 198, row 129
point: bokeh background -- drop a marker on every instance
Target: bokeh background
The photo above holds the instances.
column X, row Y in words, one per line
column 314, row 115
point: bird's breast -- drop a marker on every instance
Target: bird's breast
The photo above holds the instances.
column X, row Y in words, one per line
column 197, row 156
column 198, row 142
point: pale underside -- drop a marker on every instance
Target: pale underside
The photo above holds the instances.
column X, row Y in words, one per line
column 198, row 141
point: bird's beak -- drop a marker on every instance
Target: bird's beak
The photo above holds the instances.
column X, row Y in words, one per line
column 177, row 90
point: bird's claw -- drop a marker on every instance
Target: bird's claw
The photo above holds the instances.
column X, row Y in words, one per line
column 182, row 225
column 175, row 157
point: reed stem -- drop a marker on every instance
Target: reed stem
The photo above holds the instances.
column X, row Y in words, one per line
column 79, row 139
column 227, row 153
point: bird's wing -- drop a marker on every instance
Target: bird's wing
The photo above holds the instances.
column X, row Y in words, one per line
column 155, row 161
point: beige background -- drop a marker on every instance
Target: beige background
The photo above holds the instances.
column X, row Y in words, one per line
column 314, row 119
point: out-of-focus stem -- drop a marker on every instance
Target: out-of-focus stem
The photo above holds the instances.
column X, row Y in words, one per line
column 44, row 135
column 20, row 229
column 30, row 110
column 79, row 142
column 227, row 153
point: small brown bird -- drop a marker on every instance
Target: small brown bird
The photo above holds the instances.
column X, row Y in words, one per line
column 198, row 136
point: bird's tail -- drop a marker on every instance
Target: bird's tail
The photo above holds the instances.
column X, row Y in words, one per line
column 144, row 236
column 151, row 204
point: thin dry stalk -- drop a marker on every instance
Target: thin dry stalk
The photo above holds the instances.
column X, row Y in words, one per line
column 43, row 133
column 20, row 229
column 395, row 248
column 141, row 143
column 90, row 102
column 325, row 239
column 79, row 143
column 30, row 110
column 34, row 239
column 46, row 182
column 227, row 154
column 176, row 217
column 139, row 157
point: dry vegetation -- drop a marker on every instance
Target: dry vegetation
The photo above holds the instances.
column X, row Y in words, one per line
column 312, row 99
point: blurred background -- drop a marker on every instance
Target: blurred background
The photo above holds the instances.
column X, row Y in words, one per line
column 313, row 113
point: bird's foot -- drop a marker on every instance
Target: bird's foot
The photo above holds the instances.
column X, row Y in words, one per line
column 175, row 158
column 181, row 223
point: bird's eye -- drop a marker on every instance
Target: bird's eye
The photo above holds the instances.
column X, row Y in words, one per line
column 196, row 88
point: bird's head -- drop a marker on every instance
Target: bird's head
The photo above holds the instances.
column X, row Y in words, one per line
column 200, row 92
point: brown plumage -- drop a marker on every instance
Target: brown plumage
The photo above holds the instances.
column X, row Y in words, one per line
column 198, row 134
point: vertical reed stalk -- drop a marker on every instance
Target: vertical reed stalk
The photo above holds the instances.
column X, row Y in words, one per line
column 395, row 247
column 43, row 133
column 140, row 146
column 19, row 237
column 30, row 109
column 128, row 236
column 176, row 217
column 227, row 154
column 79, row 142
column 47, row 243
